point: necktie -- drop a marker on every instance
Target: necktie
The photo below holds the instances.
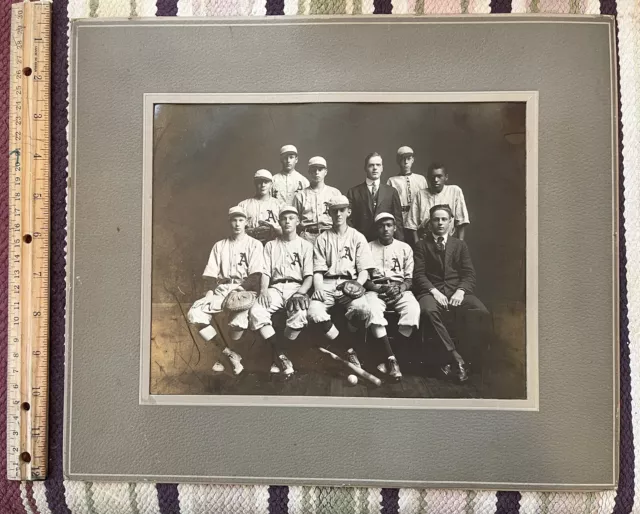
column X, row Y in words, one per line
column 440, row 242
column 408, row 191
column 374, row 192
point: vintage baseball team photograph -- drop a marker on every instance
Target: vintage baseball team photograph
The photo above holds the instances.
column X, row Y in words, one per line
column 349, row 249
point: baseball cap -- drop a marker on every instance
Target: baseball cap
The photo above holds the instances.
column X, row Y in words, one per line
column 288, row 149
column 237, row 211
column 404, row 150
column 318, row 161
column 288, row 209
column 384, row 216
column 338, row 202
column 264, row 174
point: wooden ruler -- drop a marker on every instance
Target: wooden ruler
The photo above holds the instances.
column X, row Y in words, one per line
column 29, row 208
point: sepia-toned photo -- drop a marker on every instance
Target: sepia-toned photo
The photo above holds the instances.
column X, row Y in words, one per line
column 335, row 246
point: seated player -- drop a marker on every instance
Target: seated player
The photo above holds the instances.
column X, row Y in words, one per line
column 444, row 280
column 286, row 279
column 262, row 209
column 231, row 262
column 390, row 287
column 438, row 193
column 341, row 263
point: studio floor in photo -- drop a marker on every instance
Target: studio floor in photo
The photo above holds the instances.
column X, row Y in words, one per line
column 181, row 363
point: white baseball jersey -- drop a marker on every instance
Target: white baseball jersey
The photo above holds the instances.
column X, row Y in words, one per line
column 288, row 259
column 408, row 187
column 261, row 210
column 393, row 261
column 235, row 259
column 450, row 195
column 346, row 254
column 286, row 185
column 312, row 205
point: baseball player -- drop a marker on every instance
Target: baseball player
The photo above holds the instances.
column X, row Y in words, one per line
column 231, row 261
column 407, row 183
column 438, row 193
column 341, row 263
column 390, row 287
column 288, row 182
column 262, row 209
column 286, row 279
column 312, row 202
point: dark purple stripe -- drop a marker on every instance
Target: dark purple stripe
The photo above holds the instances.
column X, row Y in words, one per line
column 278, row 499
column 508, row 502
column 168, row 500
column 166, row 7
column 389, row 501
column 275, row 7
column 500, row 6
column 59, row 68
column 382, row 7
column 626, row 482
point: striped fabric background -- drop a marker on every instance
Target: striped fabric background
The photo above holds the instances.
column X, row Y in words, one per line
column 58, row 496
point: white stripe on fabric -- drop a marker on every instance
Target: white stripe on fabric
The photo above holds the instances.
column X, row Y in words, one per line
column 367, row 6
column 409, row 501
column 479, row 7
column 75, row 496
column 111, row 497
column 204, row 499
column 519, row 6
column 147, row 498
column 185, row 8
column 40, row 496
column 146, row 8
column 295, row 500
column 25, row 500
column 77, row 9
column 113, row 9
column 290, row 7
column 483, row 502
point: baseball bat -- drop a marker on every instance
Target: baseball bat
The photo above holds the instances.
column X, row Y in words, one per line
column 358, row 371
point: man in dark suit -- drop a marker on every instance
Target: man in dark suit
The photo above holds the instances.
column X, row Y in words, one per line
column 371, row 198
column 444, row 280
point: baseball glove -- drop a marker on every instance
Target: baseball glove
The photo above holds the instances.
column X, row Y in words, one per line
column 239, row 300
column 352, row 289
column 391, row 293
column 261, row 232
column 298, row 302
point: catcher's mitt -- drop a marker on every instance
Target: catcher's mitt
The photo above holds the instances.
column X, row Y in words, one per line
column 262, row 232
column 352, row 289
column 298, row 302
column 239, row 300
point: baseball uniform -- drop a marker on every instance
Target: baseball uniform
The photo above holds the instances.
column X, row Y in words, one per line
column 261, row 210
column 394, row 264
column 287, row 264
column 340, row 258
column 313, row 209
column 230, row 262
column 450, row 195
column 286, row 185
column 408, row 187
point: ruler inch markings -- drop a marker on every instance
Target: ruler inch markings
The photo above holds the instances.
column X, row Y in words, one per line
column 29, row 184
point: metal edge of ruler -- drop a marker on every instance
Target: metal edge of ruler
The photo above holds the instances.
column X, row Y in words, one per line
column 29, row 240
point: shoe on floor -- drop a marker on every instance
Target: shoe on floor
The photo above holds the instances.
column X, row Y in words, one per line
column 287, row 365
column 463, row 373
column 382, row 368
column 218, row 367
column 235, row 360
column 274, row 369
column 353, row 358
column 394, row 371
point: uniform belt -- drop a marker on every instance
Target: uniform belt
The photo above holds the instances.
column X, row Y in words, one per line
column 336, row 277
column 406, row 208
column 386, row 281
column 315, row 230
column 286, row 281
column 229, row 281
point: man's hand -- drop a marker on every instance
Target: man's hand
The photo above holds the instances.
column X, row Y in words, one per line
column 440, row 298
column 318, row 294
column 457, row 297
column 264, row 300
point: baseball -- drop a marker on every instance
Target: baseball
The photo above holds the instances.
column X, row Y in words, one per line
column 353, row 380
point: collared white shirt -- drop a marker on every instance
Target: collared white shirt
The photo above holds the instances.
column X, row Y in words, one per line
column 370, row 185
column 444, row 236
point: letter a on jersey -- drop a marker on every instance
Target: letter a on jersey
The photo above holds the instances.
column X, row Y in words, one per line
column 270, row 216
column 347, row 253
column 296, row 260
column 396, row 265
column 243, row 258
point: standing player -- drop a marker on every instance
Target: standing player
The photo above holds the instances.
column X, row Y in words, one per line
column 439, row 193
column 341, row 263
column 407, row 184
column 231, row 261
column 262, row 209
column 390, row 287
column 312, row 202
column 286, row 279
column 288, row 182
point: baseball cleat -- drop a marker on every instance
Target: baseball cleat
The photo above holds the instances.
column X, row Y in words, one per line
column 274, row 369
column 382, row 368
column 218, row 367
column 463, row 373
column 235, row 359
column 353, row 358
column 395, row 369
column 287, row 366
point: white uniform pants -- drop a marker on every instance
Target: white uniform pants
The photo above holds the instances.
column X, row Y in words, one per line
column 357, row 309
column 278, row 294
column 202, row 310
column 407, row 308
